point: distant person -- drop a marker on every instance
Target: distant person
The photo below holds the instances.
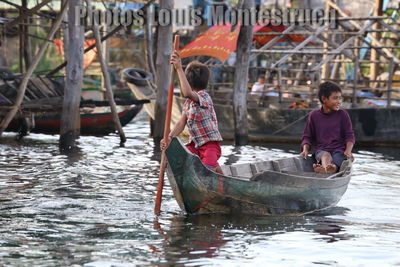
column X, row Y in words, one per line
column 328, row 131
column 259, row 86
column 197, row 113
column 273, row 74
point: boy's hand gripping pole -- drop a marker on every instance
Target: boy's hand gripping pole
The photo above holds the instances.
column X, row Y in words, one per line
column 167, row 124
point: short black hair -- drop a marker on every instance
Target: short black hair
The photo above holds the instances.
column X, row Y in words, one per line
column 197, row 75
column 327, row 88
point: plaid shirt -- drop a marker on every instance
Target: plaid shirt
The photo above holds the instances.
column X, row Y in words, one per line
column 201, row 120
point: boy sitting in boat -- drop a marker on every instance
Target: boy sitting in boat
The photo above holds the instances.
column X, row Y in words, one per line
column 329, row 131
column 197, row 113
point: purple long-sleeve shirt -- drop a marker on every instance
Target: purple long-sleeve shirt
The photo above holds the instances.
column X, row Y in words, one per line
column 328, row 131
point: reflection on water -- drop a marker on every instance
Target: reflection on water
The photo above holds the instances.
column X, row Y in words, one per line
column 209, row 235
column 95, row 208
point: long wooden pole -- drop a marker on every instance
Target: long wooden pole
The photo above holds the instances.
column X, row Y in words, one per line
column 164, row 39
column 241, row 79
column 326, row 68
column 148, row 40
column 374, row 67
column 27, row 42
column 70, row 117
column 391, row 71
column 107, row 81
column 160, row 186
column 22, row 87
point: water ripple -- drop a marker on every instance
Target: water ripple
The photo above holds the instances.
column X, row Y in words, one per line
column 95, row 208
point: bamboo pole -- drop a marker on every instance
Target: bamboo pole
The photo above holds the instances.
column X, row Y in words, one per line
column 274, row 40
column 309, row 39
column 299, row 74
column 107, row 81
column 22, row 87
column 342, row 46
column 105, row 54
column 374, row 41
column 335, row 70
column 167, row 124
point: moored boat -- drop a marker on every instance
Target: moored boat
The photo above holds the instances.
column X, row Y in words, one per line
column 94, row 120
column 286, row 186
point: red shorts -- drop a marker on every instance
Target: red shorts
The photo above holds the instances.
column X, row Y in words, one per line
column 209, row 153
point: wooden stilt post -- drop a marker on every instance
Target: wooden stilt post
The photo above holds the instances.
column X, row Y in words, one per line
column 107, row 81
column 106, row 56
column 65, row 35
column 22, row 87
column 167, row 124
column 151, row 51
column 280, row 84
column 374, row 67
column 241, row 80
column 391, row 71
column 149, row 40
column 26, row 40
column 336, row 68
column 70, row 118
column 326, row 67
column 302, row 67
column 163, row 72
column 355, row 80
column 357, row 70
column 21, row 44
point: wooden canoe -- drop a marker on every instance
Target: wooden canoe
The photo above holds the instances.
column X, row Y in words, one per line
column 280, row 187
column 94, row 121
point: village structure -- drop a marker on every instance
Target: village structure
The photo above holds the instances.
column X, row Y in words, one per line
column 199, row 132
column 69, row 60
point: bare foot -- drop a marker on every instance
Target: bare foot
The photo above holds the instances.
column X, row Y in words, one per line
column 218, row 170
column 318, row 168
column 331, row 168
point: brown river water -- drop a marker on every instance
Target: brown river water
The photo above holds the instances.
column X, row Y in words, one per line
column 95, row 208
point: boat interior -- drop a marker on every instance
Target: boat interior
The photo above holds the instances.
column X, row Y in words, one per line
column 296, row 166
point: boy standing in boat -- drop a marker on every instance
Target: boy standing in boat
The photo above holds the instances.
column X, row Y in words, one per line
column 329, row 131
column 197, row 113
